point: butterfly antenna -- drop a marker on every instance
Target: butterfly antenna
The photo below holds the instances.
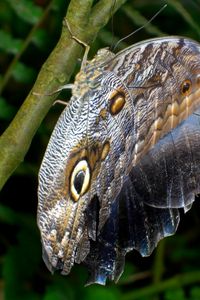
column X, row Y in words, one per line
column 138, row 29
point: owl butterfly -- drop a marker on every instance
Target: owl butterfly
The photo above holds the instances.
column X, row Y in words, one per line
column 123, row 157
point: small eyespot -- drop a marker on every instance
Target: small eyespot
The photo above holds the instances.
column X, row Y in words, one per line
column 186, row 87
column 80, row 180
column 117, row 101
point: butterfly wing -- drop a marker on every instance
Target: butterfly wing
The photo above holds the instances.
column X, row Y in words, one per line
column 169, row 175
column 165, row 90
column 131, row 225
column 165, row 172
column 139, row 217
column 122, row 159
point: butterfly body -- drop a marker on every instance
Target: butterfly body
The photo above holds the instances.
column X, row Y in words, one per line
column 129, row 115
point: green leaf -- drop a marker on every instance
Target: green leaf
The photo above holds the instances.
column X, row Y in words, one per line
column 23, row 74
column 59, row 290
column 7, row 111
column 8, row 43
column 5, row 13
column 128, row 274
column 7, row 215
column 40, row 38
column 101, row 292
column 195, row 293
column 26, row 10
column 11, row 217
column 177, row 294
column 20, row 264
column 57, row 4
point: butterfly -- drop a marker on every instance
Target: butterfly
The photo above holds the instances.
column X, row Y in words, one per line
column 123, row 157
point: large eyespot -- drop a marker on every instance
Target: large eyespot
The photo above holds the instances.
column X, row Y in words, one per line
column 117, row 101
column 80, row 179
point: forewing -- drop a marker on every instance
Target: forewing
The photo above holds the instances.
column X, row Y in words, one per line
column 163, row 80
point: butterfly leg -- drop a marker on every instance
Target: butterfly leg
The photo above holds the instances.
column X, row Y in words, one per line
column 60, row 102
column 64, row 87
column 87, row 47
column 55, row 102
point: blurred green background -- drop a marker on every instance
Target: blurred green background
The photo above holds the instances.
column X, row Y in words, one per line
column 173, row 271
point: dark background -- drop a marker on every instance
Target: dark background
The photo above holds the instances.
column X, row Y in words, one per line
column 23, row 274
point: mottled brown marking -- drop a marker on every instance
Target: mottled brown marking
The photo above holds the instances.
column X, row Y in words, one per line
column 103, row 113
column 177, row 50
column 137, row 67
column 198, row 79
column 105, row 151
column 156, row 78
column 94, row 155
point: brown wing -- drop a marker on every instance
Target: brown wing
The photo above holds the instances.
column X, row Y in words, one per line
column 165, row 170
column 163, row 79
column 130, row 140
column 144, row 212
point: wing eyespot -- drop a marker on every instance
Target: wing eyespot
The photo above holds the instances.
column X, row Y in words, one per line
column 80, row 179
column 117, row 101
column 186, row 87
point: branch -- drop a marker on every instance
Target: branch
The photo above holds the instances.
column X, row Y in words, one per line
column 56, row 71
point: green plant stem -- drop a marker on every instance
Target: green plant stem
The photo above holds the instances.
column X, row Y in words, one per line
column 135, row 277
column 185, row 14
column 56, row 71
column 158, row 268
column 27, row 41
column 140, row 21
column 172, row 283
